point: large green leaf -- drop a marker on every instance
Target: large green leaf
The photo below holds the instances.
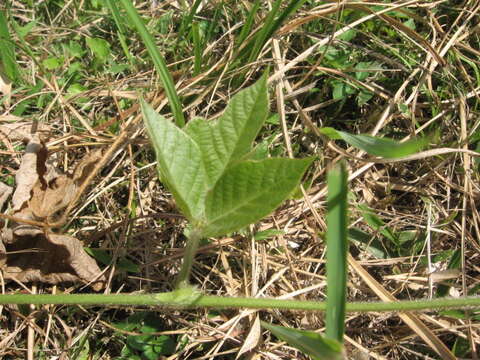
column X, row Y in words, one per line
column 309, row 342
column 180, row 162
column 377, row 146
column 250, row 190
column 232, row 135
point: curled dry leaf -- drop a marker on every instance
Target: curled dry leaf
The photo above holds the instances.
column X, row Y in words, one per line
column 30, row 253
column 55, row 192
column 27, row 175
column 50, row 258
column 253, row 338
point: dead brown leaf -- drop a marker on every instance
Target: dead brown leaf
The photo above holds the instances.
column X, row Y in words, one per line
column 27, row 175
column 3, row 255
column 5, row 89
column 31, row 253
column 24, row 130
column 253, row 338
column 50, row 258
column 442, row 275
column 54, row 193
column 5, row 192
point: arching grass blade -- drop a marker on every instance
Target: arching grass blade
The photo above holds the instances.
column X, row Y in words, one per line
column 158, row 61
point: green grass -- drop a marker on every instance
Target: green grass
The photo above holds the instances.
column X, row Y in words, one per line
column 158, row 60
column 377, row 79
column 337, row 247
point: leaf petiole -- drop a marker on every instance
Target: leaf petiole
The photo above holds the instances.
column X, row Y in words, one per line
column 191, row 249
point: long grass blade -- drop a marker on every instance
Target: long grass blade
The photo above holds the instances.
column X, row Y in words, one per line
column 197, row 49
column 336, row 252
column 309, row 342
column 247, row 26
column 272, row 23
column 158, row 61
column 291, row 8
column 378, row 146
column 212, row 25
column 187, row 20
column 117, row 17
column 261, row 37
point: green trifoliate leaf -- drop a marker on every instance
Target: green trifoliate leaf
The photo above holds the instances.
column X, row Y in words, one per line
column 250, row 190
column 377, row 146
column 309, row 342
column 231, row 136
column 180, row 162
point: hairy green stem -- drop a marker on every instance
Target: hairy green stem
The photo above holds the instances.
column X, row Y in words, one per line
column 176, row 300
column 191, row 249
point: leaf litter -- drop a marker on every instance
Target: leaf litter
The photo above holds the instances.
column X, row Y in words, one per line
column 23, row 130
column 30, row 253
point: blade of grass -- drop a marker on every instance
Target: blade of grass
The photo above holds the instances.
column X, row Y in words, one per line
column 378, row 146
column 247, row 26
column 292, row 7
column 272, row 24
column 158, row 61
column 336, row 252
column 187, row 20
column 197, row 49
column 261, row 37
column 212, row 24
column 7, row 52
column 121, row 33
column 309, row 342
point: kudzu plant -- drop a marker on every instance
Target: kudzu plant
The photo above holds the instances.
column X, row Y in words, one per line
column 217, row 184
column 209, row 168
column 221, row 186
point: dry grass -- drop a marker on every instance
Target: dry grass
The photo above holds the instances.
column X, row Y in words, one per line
column 427, row 85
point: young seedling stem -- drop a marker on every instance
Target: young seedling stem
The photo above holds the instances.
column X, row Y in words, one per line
column 192, row 245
